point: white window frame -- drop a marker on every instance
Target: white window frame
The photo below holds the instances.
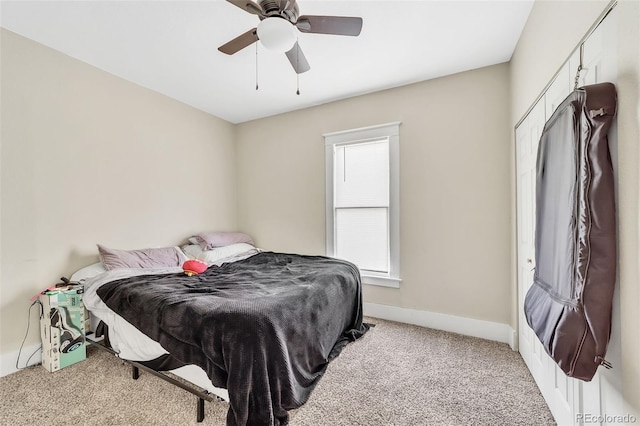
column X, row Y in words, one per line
column 391, row 131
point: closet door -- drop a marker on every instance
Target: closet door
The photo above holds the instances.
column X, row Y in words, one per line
column 571, row 401
column 527, row 138
column 559, row 391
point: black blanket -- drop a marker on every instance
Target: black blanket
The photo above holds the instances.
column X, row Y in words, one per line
column 265, row 327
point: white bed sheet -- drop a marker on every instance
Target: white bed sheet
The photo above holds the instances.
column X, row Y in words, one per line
column 129, row 342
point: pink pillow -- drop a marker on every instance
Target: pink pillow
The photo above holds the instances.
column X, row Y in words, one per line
column 210, row 240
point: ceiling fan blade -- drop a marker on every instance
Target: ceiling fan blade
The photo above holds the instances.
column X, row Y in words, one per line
column 297, row 59
column 240, row 42
column 339, row 25
column 248, row 6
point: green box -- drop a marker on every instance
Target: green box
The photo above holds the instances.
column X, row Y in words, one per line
column 62, row 327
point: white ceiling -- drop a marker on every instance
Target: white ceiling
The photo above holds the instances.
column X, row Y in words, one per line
column 171, row 47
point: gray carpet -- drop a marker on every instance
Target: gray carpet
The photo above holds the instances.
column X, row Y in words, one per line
column 397, row 374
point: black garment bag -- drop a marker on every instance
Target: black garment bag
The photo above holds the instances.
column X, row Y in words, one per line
column 569, row 304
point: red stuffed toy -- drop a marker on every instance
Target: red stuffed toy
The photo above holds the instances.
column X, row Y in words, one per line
column 194, row 267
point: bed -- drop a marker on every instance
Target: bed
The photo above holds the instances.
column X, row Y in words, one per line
column 257, row 329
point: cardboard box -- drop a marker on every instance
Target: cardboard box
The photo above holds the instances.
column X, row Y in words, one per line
column 62, row 327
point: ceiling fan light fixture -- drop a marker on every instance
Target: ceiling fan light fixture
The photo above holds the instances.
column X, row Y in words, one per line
column 276, row 34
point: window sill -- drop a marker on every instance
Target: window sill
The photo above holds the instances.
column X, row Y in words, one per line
column 381, row 281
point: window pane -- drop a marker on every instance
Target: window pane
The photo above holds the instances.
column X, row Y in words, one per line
column 362, row 175
column 362, row 237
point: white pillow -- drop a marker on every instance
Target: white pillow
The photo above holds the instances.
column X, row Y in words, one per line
column 194, row 251
column 88, row 272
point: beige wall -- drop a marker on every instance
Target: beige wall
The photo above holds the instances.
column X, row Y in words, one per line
column 454, row 200
column 90, row 158
column 531, row 69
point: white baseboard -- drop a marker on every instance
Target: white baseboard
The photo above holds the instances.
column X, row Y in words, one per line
column 8, row 360
column 467, row 326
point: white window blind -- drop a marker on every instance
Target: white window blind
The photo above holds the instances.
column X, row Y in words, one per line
column 361, row 190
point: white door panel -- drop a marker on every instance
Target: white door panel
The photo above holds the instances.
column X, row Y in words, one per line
column 558, row 90
column 557, row 389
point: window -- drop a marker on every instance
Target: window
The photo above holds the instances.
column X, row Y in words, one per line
column 362, row 179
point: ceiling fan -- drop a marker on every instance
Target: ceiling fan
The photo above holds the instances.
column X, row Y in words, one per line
column 276, row 30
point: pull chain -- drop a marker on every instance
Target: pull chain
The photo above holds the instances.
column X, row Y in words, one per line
column 297, row 67
column 256, row 66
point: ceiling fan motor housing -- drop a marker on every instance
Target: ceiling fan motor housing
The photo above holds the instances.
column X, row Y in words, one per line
column 289, row 11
